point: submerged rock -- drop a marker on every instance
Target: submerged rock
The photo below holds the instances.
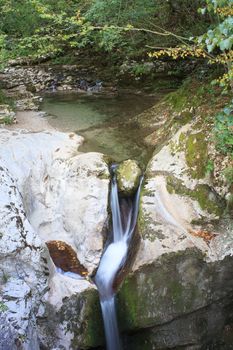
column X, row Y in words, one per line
column 65, row 258
column 128, row 175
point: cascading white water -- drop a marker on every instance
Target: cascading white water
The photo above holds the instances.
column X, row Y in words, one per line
column 114, row 258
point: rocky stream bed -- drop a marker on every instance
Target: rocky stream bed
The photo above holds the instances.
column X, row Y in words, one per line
column 178, row 292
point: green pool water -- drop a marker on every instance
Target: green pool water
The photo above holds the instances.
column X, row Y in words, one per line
column 102, row 120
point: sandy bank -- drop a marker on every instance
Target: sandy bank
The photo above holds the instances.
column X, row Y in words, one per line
column 32, row 121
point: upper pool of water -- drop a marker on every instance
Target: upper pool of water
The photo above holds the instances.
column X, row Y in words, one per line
column 101, row 120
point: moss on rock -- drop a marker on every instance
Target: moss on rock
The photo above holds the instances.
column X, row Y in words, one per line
column 196, row 155
column 145, row 227
column 206, row 197
column 150, row 296
column 128, row 176
column 82, row 316
column 175, row 284
column 184, row 117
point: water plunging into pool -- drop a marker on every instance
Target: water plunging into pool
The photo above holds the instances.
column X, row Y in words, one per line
column 124, row 218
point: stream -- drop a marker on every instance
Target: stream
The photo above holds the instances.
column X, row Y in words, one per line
column 124, row 219
column 103, row 121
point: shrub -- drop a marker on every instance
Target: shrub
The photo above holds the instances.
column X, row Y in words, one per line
column 223, row 130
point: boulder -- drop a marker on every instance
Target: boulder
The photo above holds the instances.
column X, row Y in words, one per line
column 65, row 194
column 128, row 176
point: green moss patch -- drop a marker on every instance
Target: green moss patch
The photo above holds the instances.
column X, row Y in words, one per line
column 83, row 318
column 206, row 197
column 128, row 176
column 5, row 100
column 146, row 227
column 196, row 155
column 161, row 291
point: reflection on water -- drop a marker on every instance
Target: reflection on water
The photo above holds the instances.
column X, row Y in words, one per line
column 101, row 120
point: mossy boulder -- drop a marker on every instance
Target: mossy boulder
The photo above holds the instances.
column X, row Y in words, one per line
column 176, row 300
column 128, row 176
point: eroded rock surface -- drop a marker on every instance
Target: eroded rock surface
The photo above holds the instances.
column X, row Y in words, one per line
column 49, row 191
column 71, row 317
column 180, row 290
column 64, row 193
column 23, row 270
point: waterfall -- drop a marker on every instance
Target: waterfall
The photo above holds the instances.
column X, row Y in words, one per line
column 124, row 219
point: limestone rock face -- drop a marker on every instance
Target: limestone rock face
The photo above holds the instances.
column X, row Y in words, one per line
column 64, row 193
column 180, row 290
column 23, row 271
column 128, row 175
column 72, row 317
column 49, row 191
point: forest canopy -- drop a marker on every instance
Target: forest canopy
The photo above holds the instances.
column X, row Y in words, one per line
column 134, row 29
column 36, row 27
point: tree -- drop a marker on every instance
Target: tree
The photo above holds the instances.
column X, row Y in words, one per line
column 53, row 27
column 215, row 44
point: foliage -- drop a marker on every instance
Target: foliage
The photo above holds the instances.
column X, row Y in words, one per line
column 8, row 120
column 209, row 167
column 228, row 174
column 224, row 130
column 215, row 44
column 52, row 28
column 47, row 29
column 138, row 69
column 5, row 277
column 146, row 15
column 3, row 307
column 5, row 100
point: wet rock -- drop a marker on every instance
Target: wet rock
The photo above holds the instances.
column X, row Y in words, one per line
column 64, row 257
column 196, row 154
column 177, row 300
column 28, row 104
column 72, row 318
column 128, row 176
column 18, row 91
column 22, row 81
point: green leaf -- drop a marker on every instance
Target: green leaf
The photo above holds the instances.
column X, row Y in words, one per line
column 226, row 44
